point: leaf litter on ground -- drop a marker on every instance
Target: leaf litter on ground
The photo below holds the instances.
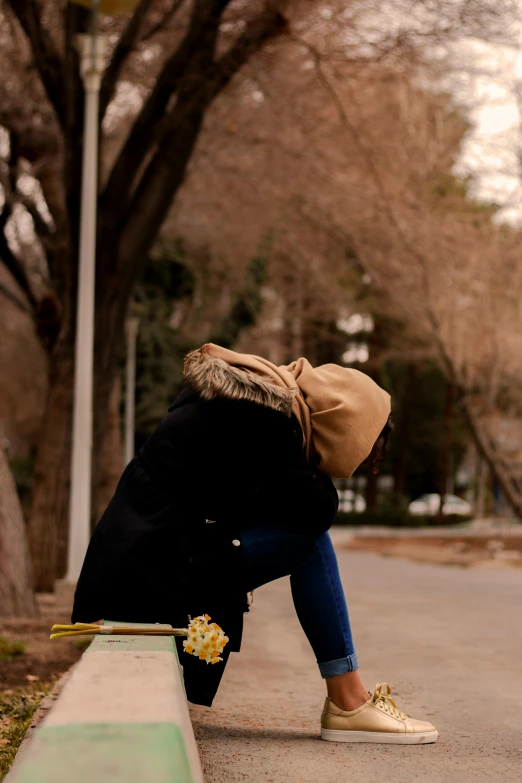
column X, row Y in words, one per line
column 17, row 708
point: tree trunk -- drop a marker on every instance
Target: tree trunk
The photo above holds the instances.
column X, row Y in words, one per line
column 111, row 312
column 17, row 598
column 445, row 449
column 49, row 521
column 110, row 455
column 375, row 344
column 48, row 524
column 399, row 474
column 372, row 490
column 481, row 487
column 493, row 459
column 404, row 429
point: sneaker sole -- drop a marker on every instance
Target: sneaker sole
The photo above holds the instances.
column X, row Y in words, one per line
column 334, row 735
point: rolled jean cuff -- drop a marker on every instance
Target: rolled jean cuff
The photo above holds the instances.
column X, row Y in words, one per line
column 340, row 666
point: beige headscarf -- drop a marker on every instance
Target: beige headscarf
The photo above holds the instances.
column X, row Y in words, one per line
column 341, row 411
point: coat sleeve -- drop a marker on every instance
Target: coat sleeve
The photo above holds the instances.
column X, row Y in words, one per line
column 299, row 497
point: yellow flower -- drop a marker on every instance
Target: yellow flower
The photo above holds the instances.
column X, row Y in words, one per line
column 205, row 641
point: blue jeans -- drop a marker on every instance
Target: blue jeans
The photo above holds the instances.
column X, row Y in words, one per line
column 319, row 601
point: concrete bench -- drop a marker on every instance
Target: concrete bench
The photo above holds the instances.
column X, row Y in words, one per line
column 121, row 717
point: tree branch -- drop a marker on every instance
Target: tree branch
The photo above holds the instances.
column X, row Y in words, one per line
column 159, row 26
column 12, row 262
column 8, row 181
column 267, row 25
column 41, row 227
column 39, row 145
column 16, row 300
column 123, row 49
column 165, row 19
column 47, row 60
column 48, row 237
column 204, row 21
column 180, row 130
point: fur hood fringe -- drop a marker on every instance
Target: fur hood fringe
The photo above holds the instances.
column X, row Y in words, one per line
column 214, row 378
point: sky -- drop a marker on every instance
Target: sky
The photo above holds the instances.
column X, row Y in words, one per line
column 489, row 85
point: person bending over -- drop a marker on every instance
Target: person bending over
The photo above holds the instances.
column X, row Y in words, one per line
column 234, row 490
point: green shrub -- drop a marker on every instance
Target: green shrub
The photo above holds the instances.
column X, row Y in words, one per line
column 395, row 519
column 394, row 503
column 10, row 649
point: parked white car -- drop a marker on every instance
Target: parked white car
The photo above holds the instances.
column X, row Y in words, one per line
column 350, row 501
column 428, row 505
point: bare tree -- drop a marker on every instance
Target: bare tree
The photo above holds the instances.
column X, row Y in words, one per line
column 439, row 261
column 42, row 110
column 16, row 590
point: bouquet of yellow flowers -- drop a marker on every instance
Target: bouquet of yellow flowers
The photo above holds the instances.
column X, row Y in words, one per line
column 204, row 640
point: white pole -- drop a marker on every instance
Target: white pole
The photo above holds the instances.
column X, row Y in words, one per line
column 92, row 60
column 130, row 388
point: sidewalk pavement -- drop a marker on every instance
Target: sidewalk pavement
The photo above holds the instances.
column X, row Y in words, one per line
column 447, row 640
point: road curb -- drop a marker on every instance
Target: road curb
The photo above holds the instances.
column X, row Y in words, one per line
column 121, row 717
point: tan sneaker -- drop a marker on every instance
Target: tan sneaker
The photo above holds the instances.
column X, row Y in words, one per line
column 378, row 720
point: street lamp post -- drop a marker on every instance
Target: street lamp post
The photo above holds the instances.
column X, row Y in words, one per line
column 92, row 48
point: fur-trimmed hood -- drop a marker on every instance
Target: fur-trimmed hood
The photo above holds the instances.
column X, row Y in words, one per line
column 341, row 411
column 214, row 378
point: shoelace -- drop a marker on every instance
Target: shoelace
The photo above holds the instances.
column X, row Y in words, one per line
column 382, row 699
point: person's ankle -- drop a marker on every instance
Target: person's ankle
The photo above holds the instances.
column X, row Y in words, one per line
column 347, row 691
column 350, row 701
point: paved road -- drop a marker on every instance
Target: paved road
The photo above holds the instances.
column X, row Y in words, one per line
column 448, row 640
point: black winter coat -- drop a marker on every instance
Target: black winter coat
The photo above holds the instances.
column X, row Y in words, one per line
column 163, row 548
